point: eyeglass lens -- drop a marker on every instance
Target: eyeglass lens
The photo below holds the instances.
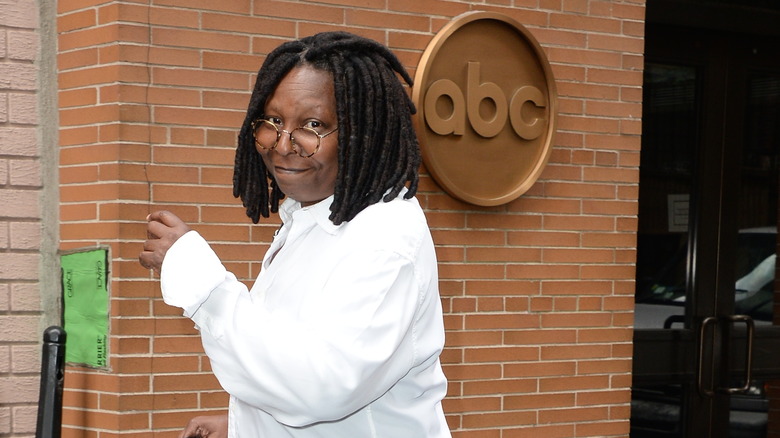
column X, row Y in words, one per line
column 305, row 141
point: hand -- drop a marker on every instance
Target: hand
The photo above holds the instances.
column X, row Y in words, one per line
column 162, row 231
column 211, row 426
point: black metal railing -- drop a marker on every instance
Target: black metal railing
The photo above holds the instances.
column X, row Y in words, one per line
column 52, row 379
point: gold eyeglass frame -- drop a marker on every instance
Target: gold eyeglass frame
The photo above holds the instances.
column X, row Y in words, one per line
column 298, row 150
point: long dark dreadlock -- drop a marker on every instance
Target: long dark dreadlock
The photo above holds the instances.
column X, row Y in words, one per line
column 378, row 151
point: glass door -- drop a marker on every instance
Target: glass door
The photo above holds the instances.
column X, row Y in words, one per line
column 707, row 349
column 754, row 412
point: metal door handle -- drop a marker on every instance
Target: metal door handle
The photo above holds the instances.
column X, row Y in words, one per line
column 712, row 320
column 751, row 328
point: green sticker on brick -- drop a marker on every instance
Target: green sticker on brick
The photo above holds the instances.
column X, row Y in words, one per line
column 85, row 305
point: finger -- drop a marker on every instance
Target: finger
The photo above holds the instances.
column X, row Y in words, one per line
column 190, row 430
column 151, row 244
column 151, row 226
column 166, row 217
column 147, row 260
column 157, row 230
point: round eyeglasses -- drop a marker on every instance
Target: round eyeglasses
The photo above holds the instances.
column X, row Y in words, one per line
column 305, row 141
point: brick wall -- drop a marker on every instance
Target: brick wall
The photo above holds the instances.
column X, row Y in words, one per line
column 28, row 228
column 538, row 294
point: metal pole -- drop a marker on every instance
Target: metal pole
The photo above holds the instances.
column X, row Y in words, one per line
column 52, row 379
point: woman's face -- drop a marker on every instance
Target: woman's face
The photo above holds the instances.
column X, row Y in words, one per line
column 304, row 98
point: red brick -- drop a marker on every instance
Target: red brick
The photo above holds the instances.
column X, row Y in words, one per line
column 474, row 404
column 360, row 17
column 536, row 401
column 200, row 39
column 248, row 25
column 501, row 354
column 557, row 384
column 500, row 386
column 498, row 419
column 179, row 382
column 574, row 415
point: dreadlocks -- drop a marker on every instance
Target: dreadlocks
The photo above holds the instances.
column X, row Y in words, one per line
column 378, row 151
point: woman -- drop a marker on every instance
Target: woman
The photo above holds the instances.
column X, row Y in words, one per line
column 341, row 333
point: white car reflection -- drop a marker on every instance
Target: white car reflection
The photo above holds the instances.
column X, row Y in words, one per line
column 663, row 305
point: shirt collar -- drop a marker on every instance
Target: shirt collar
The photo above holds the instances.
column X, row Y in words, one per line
column 320, row 212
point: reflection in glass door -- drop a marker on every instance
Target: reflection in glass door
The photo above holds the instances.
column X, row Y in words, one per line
column 707, row 340
column 756, row 254
column 669, row 139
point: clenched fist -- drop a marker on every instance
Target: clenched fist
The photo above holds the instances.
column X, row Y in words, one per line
column 206, row 427
column 162, row 231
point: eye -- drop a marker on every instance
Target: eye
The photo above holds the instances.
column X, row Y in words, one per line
column 313, row 124
column 275, row 120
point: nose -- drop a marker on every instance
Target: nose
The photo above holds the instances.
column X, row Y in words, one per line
column 284, row 145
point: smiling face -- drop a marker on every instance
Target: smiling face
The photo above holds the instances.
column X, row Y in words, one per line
column 304, row 98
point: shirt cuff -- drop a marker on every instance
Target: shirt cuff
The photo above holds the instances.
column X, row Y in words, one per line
column 190, row 271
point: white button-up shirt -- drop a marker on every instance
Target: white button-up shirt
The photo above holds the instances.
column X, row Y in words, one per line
column 341, row 333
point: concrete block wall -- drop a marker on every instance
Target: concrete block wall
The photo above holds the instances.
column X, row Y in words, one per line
column 28, row 229
column 538, row 294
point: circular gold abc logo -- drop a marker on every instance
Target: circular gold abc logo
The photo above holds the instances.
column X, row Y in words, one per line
column 486, row 105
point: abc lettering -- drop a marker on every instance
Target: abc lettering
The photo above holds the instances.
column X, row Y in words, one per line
column 476, row 92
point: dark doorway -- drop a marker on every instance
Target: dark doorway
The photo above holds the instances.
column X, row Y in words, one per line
column 707, row 337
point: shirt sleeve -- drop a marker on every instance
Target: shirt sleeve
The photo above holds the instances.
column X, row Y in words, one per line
column 190, row 272
column 360, row 343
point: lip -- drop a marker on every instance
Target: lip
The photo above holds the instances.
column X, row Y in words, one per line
column 288, row 170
